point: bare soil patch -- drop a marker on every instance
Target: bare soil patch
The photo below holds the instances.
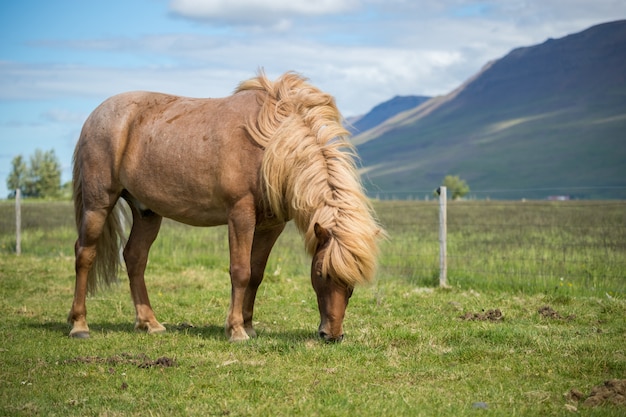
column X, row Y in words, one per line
column 610, row 392
column 139, row 360
column 489, row 315
column 550, row 313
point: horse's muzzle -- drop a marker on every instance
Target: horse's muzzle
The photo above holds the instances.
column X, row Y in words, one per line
column 330, row 339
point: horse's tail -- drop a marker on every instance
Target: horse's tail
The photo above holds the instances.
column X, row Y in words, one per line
column 107, row 263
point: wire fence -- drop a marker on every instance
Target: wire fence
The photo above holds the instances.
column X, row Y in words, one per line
column 579, row 246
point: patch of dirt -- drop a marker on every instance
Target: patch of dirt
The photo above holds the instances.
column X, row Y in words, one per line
column 139, row 360
column 490, row 315
column 549, row 312
column 184, row 326
column 611, row 392
column 163, row 361
column 575, row 395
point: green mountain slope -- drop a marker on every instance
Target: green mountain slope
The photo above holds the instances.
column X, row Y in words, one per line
column 384, row 111
column 543, row 120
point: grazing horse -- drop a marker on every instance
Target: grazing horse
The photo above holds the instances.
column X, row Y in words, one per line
column 272, row 152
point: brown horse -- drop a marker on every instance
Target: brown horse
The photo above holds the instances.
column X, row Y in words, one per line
column 270, row 153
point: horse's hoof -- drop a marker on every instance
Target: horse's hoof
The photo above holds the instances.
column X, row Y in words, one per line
column 157, row 329
column 150, row 328
column 236, row 337
column 80, row 334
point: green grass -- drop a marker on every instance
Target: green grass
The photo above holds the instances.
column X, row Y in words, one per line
column 407, row 351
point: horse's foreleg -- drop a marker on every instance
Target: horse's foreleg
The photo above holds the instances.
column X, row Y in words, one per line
column 144, row 231
column 240, row 236
column 264, row 240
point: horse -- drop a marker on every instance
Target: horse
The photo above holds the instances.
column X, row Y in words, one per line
column 272, row 152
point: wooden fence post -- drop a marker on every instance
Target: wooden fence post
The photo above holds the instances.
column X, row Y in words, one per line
column 443, row 255
column 18, row 221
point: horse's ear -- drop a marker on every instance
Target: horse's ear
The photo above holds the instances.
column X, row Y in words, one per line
column 322, row 234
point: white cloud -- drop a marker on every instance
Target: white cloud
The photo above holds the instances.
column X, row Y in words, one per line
column 359, row 76
column 54, row 82
column 257, row 11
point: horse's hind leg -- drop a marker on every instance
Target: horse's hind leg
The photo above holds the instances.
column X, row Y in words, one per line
column 145, row 228
column 85, row 250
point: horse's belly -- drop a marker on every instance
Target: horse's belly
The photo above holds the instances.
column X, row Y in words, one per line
column 195, row 212
column 204, row 220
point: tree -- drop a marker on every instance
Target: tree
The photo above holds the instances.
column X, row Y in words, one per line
column 458, row 187
column 45, row 174
column 42, row 178
column 18, row 176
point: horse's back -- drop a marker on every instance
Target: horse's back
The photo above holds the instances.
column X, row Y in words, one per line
column 185, row 158
column 138, row 109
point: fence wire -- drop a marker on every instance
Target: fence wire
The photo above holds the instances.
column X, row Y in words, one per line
column 547, row 245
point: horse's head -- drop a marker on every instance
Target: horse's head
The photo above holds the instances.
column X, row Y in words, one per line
column 332, row 295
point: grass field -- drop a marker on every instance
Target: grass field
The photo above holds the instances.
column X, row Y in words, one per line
column 510, row 337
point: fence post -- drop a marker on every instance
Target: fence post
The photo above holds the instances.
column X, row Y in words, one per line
column 443, row 256
column 18, row 221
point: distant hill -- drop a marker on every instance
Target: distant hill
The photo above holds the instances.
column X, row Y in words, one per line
column 383, row 112
column 543, row 120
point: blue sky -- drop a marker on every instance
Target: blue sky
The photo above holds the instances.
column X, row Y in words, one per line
column 60, row 59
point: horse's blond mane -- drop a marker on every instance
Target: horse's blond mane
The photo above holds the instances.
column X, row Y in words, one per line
column 310, row 175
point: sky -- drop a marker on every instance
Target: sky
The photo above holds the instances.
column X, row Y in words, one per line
column 60, row 59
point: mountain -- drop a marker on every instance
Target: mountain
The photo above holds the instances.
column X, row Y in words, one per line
column 543, row 120
column 383, row 112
